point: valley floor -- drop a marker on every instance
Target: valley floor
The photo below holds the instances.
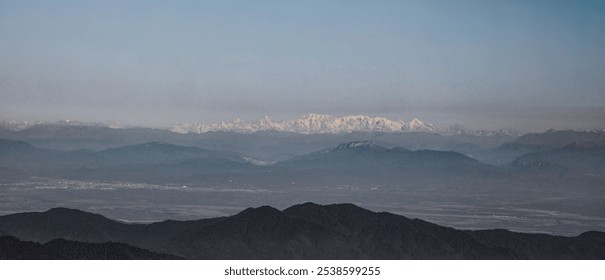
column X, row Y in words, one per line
column 555, row 213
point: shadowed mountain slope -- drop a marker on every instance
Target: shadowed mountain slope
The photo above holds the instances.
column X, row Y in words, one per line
column 60, row 249
column 152, row 162
column 586, row 159
column 158, row 152
column 367, row 160
column 537, row 142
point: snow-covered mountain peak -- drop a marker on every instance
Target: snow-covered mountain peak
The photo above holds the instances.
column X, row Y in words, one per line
column 418, row 125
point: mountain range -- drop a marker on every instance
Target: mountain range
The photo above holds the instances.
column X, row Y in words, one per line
column 159, row 162
column 312, row 123
column 537, row 142
column 364, row 159
column 156, row 162
column 304, row 231
column 146, row 162
column 460, row 180
column 309, row 124
column 587, row 159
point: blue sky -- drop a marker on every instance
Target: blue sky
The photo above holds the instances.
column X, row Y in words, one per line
column 530, row 65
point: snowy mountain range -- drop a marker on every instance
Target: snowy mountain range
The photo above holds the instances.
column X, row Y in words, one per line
column 309, row 124
column 312, row 123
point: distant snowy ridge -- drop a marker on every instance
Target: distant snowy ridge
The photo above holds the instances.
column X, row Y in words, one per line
column 457, row 129
column 23, row 125
column 312, row 123
column 309, row 124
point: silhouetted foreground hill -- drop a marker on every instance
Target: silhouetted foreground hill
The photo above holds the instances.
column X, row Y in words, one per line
column 305, row 231
column 60, row 249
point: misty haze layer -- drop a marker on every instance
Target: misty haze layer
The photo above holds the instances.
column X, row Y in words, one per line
column 528, row 65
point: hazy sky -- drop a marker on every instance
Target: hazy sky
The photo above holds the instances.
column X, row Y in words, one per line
column 526, row 64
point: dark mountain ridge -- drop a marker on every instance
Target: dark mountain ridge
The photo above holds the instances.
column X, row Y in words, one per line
column 60, row 249
column 305, row 231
